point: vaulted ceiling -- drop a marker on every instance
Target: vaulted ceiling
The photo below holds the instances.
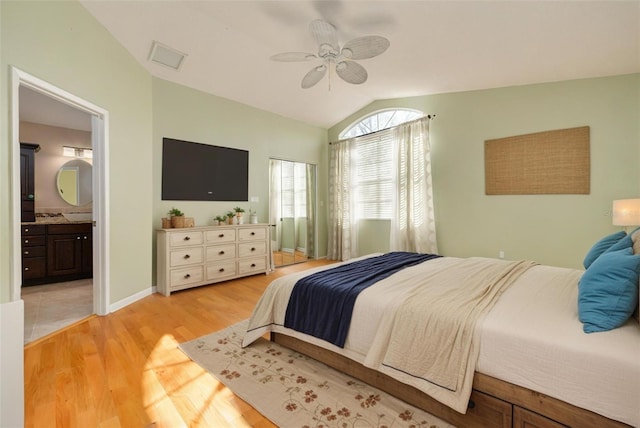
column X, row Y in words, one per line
column 436, row 46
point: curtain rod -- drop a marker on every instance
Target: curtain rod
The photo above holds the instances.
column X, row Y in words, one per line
column 428, row 116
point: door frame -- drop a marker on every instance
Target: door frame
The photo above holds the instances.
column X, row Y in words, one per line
column 100, row 145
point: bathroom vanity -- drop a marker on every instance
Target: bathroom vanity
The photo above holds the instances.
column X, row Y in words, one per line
column 56, row 251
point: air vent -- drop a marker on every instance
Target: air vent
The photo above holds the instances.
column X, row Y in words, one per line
column 166, row 56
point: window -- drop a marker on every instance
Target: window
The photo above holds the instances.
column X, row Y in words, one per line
column 374, row 146
column 380, row 120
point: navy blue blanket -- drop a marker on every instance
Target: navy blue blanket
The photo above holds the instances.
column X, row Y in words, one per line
column 321, row 304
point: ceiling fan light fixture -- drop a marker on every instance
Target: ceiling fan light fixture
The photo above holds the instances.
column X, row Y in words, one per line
column 347, row 53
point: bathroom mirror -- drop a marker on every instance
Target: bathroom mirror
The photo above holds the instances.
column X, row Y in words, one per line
column 74, row 182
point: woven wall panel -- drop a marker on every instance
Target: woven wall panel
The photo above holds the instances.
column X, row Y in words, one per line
column 550, row 162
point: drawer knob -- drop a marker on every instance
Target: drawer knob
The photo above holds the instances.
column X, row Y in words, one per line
column 253, row 233
column 77, row 237
column 26, row 230
column 26, row 252
column 221, row 235
column 26, row 241
column 221, row 270
column 221, row 252
column 187, row 276
column 26, row 268
column 253, row 248
column 187, row 238
column 186, row 256
column 85, row 237
column 253, row 265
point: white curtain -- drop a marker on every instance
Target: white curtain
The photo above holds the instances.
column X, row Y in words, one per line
column 413, row 225
column 342, row 243
column 275, row 206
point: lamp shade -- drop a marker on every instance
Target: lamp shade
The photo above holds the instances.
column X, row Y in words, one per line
column 626, row 212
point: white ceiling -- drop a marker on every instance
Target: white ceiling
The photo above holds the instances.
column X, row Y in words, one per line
column 436, row 46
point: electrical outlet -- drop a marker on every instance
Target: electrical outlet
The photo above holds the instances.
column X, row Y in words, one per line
column 255, row 199
column 501, row 254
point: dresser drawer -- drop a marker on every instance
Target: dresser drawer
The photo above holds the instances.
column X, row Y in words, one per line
column 187, row 275
column 33, row 229
column 221, row 252
column 186, row 256
column 258, row 248
column 33, row 268
column 30, row 241
column 258, row 264
column 35, row 251
column 180, row 239
column 250, row 234
column 216, row 271
column 221, row 236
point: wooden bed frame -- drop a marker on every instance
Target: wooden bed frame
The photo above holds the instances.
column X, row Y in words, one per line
column 493, row 403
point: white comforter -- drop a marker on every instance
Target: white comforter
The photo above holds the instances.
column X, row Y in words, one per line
column 531, row 338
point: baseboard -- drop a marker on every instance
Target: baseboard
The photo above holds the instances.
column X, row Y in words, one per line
column 12, row 364
column 131, row 299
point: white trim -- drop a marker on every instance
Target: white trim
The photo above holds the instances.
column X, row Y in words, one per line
column 12, row 364
column 100, row 127
column 131, row 299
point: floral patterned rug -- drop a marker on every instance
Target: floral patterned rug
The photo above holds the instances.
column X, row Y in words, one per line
column 293, row 390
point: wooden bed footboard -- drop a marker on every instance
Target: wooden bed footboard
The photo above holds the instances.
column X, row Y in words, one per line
column 493, row 403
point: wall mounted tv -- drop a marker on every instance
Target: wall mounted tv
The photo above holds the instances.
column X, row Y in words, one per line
column 202, row 172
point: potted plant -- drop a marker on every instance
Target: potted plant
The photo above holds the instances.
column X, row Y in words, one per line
column 230, row 215
column 220, row 219
column 177, row 217
column 239, row 211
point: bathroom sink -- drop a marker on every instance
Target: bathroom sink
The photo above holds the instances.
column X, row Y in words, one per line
column 78, row 216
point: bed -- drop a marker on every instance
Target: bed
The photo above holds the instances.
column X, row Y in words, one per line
column 531, row 364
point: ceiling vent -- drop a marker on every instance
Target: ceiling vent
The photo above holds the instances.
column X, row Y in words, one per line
column 166, row 56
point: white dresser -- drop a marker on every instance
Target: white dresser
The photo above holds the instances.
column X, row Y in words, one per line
column 197, row 256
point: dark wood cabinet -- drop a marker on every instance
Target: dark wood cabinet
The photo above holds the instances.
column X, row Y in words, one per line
column 27, row 178
column 56, row 252
column 34, row 254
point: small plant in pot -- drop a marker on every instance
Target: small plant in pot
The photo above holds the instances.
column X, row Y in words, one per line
column 220, row 220
column 230, row 215
column 177, row 217
column 239, row 211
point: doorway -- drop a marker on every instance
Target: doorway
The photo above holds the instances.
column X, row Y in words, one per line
column 98, row 122
column 292, row 211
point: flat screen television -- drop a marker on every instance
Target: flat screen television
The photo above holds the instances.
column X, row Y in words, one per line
column 202, row 172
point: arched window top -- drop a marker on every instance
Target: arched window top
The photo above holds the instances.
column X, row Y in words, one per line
column 380, row 120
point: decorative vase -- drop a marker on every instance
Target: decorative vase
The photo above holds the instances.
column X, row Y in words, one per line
column 166, row 223
column 253, row 218
column 240, row 218
column 230, row 220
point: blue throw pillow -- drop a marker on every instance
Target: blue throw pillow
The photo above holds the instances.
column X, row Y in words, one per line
column 608, row 290
column 601, row 246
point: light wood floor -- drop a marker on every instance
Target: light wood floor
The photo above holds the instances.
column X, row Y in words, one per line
column 125, row 370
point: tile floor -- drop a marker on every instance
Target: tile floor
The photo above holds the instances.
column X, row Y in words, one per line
column 50, row 307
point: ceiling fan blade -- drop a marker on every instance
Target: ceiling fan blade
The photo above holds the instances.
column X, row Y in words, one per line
column 314, row 76
column 293, row 56
column 351, row 72
column 365, row 47
column 324, row 33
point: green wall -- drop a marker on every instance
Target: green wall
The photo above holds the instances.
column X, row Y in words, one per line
column 551, row 229
column 61, row 43
column 191, row 115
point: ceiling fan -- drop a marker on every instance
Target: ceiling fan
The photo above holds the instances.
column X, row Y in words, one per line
column 330, row 53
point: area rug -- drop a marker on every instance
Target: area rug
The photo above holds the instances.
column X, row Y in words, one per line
column 293, row 390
